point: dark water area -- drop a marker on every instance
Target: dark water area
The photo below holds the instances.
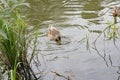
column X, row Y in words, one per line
column 80, row 22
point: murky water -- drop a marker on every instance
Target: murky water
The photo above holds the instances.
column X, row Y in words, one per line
column 76, row 58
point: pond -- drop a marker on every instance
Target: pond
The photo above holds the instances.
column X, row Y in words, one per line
column 80, row 22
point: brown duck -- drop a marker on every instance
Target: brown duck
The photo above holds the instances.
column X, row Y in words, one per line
column 54, row 34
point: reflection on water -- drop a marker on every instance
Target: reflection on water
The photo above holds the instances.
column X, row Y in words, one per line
column 76, row 19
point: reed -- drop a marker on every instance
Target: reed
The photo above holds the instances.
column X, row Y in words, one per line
column 113, row 30
column 14, row 41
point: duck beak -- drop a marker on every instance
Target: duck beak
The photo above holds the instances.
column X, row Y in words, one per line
column 58, row 42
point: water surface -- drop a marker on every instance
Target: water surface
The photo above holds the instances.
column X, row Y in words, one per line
column 78, row 21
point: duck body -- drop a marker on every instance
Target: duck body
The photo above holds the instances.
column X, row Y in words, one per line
column 54, row 34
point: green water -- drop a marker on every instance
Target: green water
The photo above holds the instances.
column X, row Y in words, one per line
column 75, row 58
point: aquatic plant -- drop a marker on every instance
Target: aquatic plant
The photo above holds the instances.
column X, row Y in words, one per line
column 111, row 32
column 14, row 41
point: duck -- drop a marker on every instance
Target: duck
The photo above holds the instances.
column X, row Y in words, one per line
column 54, row 34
